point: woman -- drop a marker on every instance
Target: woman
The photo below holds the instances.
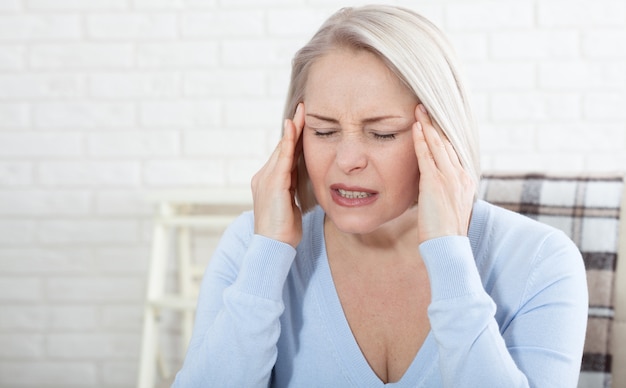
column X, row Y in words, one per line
column 367, row 260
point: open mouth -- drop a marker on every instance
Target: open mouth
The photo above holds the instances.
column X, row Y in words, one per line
column 353, row 194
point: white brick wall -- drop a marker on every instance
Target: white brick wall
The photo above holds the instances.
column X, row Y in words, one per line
column 101, row 99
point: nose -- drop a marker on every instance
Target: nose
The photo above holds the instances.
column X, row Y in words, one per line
column 351, row 155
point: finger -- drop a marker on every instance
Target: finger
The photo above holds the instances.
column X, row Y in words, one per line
column 454, row 157
column 425, row 160
column 298, row 122
column 288, row 145
column 298, row 119
column 435, row 139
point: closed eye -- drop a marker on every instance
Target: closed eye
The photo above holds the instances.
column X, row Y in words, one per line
column 384, row 136
column 324, row 133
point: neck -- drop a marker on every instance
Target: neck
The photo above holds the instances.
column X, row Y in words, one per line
column 399, row 235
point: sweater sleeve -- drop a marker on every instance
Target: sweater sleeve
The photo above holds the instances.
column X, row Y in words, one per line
column 540, row 347
column 237, row 318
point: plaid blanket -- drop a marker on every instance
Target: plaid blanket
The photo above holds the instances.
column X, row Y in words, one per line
column 587, row 209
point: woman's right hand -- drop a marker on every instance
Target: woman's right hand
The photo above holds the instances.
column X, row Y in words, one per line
column 276, row 214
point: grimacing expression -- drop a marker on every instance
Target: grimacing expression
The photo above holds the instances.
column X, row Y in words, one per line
column 357, row 140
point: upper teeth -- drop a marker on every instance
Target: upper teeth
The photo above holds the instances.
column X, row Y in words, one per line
column 353, row 194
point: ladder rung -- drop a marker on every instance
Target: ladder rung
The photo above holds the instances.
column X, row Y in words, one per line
column 175, row 302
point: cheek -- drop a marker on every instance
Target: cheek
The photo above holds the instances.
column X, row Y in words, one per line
column 405, row 166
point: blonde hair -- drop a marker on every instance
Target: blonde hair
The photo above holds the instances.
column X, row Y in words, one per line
column 416, row 51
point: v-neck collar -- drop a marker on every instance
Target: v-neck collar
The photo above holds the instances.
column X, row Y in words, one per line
column 353, row 361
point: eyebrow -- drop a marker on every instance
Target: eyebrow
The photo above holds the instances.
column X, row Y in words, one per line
column 368, row 120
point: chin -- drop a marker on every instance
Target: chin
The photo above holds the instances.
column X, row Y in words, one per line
column 367, row 220
column 354, row 227
column 361, row 223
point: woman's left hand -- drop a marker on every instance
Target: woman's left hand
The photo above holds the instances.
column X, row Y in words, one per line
column 446, row 191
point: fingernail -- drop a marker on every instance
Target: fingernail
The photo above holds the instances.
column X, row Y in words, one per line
column 422, row 108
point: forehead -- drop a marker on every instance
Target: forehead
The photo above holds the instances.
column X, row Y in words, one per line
column 350, row 75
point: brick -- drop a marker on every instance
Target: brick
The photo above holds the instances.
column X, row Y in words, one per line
column 488, row 15
column 220, row 23
column 133, row 143
column 604, row 44
column 121, row 374
column 582, row 75
column 486, row 162
column 481, row 104
column 184, row 172
column 48, row 373
column 40, row 144
column 46, row 260
column 122, row 203
column 14, row 231
column 23, row 317
column 536, row 106
column 278, row 80
column 605, row 162
column 260, row 114
column 73, row 317
column 132, row 25
column 9, row 5
column 20, row 289
column 190, row 4
column 95, row 289
column 605, row 106
column 122, row 259
column 82, row 56
column 14, row 116
column 15, row 174
column 535, row 44
column 225, row 143
column 63, row 231
column 295, row 22
column 162, row 4
column 186, row 114
column 27, row 27
column 34, row 86
column 501, row 76
column 334, row 4
column 434, row 11
column 225, row 83
column 12, row 57
column 44, row 203
column 147, row 229
column 239, row 172
column 261, row 3
column 122, row 317
column 507, row 137
column 578, row 13
column 21, row 346
column 134, row 85
column 470, row 46
column 76, row 5
column 176, row 54
column 581, row 137
column 76, row 114
column 524, row 162
column 87, row 173
column 259, row 52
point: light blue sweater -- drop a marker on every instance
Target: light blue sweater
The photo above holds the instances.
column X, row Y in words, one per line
column 508, row 309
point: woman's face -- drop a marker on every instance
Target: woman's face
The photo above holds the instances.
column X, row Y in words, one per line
column 357, row 139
